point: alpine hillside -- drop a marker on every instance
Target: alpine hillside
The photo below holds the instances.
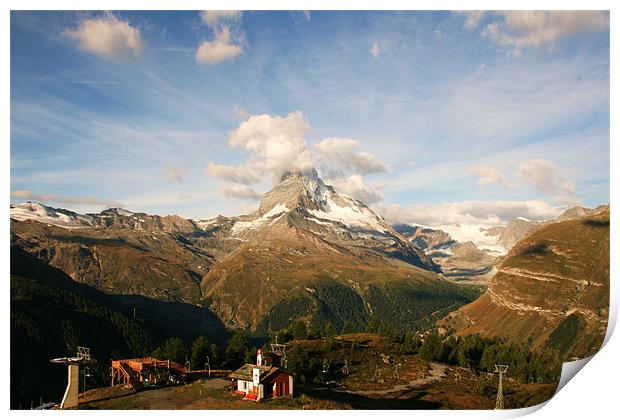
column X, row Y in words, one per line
column 551, row 290
column 313, row 254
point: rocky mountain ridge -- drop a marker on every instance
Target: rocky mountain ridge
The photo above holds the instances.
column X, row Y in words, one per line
column 302, row 200
column 486, row 247
column 307, row 253
column 551, row 290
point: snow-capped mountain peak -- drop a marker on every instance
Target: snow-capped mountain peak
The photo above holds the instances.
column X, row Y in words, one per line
column 302, row 201
column 305, row 192
column 49, row 215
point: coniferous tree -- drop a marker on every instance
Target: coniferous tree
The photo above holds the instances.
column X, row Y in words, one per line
column 173, row 349
column 329, row 330
column 214, row 356
column 299, row 331
column 431, row 348
column 237, row 346
column 348, row 328
column 200, row 352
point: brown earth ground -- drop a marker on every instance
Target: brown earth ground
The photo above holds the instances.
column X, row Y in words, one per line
column 456, row 389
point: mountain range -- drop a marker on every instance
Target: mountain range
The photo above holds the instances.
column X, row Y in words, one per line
column 470, row 253
column 306, row 253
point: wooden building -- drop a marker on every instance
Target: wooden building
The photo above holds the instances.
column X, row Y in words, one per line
column 145, row 371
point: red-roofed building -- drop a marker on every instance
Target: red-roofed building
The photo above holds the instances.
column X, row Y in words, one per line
column 262, row 381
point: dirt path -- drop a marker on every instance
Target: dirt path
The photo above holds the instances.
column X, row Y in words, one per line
column 436, row 372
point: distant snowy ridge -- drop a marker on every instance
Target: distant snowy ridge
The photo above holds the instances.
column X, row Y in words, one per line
column 49, row 215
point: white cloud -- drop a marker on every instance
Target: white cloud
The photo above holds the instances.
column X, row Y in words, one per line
column 174, row 173
column 276, row 143
column 235, row 173
column 472, row 18
column 214, row 18
column 227, row 42
column 109, row 37
column 220, row 49
column 487, row 174
column 543, row 175
column 521, row 28
column 47, row 198
column 239, row 191
column 366, row 163
column 484, row 213
column 546, row 177
column 355, row 187
column 375, row 50
column 343, row 166
column 337, row 145
column 338, row 156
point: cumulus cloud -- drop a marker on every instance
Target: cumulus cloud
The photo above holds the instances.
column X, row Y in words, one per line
column 239, row 191
column 276, row 143
column 521, row 28
column 339, row 156
column 214, row 18
column 227, row 42
column 375, row 50
column 367, row 163
column 46, row 198
column 235, row 173
column 484, row 213
column 109, row 37
column 336, row 145
column 355, row 187
column 174, row 173
column 220, row 49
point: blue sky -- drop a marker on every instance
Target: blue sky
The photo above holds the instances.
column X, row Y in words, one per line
column 430, row 117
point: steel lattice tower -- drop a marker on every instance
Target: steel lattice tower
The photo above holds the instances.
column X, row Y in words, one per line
column 499, row 403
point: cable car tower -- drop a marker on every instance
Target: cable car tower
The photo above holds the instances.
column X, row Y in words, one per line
column 280, row 350
column 84, row 359
column 501, row 369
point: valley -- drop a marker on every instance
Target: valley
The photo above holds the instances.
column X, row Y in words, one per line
column 309, row 260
